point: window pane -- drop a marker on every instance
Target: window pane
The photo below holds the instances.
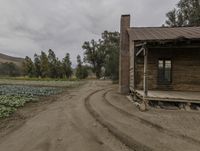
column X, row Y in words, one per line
column 160, row 70
column 160, row 63
column 167, row 75
column 164, row 71
column 168, row 64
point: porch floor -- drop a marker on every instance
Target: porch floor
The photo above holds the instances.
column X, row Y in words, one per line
column 171, row 96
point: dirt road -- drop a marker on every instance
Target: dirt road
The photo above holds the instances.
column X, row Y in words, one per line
column 95, row 118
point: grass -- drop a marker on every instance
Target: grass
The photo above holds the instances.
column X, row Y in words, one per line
column 38, row 79
column 41, row 82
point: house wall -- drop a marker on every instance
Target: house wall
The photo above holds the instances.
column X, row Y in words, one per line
column 185, row 69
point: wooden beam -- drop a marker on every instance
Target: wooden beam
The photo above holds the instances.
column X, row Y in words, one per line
column 171, row 46
column 173, row 100
column 145, row 85
column 138, row 53
column 140, row 44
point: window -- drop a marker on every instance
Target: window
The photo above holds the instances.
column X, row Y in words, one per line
column 164, row 71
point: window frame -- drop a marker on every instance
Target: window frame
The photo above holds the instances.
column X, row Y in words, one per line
column 161, row 80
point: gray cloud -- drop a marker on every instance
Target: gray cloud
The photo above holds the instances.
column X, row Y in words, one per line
column 29, row 26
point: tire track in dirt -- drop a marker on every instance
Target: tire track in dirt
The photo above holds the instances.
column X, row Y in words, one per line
column 127, row 140
column 149, row 123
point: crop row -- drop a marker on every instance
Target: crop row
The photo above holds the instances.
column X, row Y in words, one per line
column 28, row 90
column 14, row 96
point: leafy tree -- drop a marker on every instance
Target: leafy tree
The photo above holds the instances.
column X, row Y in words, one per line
column 28, row 67
column 95, row 55
column 52, row 60
column 59, row 67
column 172, row 18
column 104, row 53
column 67, row 66
column 37, row 64
column 79, row 67
column 84, row 72
column 111, row 45
column 44, row 64
column 187, row 13
column 48, row 65
column 9, row 69
column 79, row 62
column 13, row 69
column 81, row 71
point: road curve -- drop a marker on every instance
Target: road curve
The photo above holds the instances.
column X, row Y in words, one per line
column 96, row 118
column 134, row 131
column 64, row 125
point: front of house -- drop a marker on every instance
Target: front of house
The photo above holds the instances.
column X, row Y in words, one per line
column 159, row 58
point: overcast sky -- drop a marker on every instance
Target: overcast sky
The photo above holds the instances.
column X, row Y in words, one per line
column 29, row 26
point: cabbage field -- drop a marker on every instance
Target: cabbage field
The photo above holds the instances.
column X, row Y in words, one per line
column 15, row 96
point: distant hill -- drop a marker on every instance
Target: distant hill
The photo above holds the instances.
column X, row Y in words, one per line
column 5, row 58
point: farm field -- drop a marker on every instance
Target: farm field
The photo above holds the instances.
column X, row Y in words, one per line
column 15, row 96
column 16, row 93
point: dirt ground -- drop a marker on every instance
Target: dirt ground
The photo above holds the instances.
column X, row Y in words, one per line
column 94, row 117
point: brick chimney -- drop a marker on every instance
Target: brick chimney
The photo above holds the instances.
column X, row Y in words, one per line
column 124, row 55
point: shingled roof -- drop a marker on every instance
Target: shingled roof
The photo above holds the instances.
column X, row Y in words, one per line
column 163, row 33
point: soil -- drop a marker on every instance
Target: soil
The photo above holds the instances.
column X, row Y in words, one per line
column 94, row 117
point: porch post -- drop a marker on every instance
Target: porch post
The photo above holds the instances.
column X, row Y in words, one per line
column 145, row 85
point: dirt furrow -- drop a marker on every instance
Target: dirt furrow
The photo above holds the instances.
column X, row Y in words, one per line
column 127, row 140
column 149, row 123
column 134, row 131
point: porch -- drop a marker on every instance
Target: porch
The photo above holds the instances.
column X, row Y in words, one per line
column 170, row 96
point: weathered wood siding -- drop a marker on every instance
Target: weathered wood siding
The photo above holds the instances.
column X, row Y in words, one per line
column 185, row 69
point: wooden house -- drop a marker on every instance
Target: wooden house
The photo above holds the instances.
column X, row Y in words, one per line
column 160, row 63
